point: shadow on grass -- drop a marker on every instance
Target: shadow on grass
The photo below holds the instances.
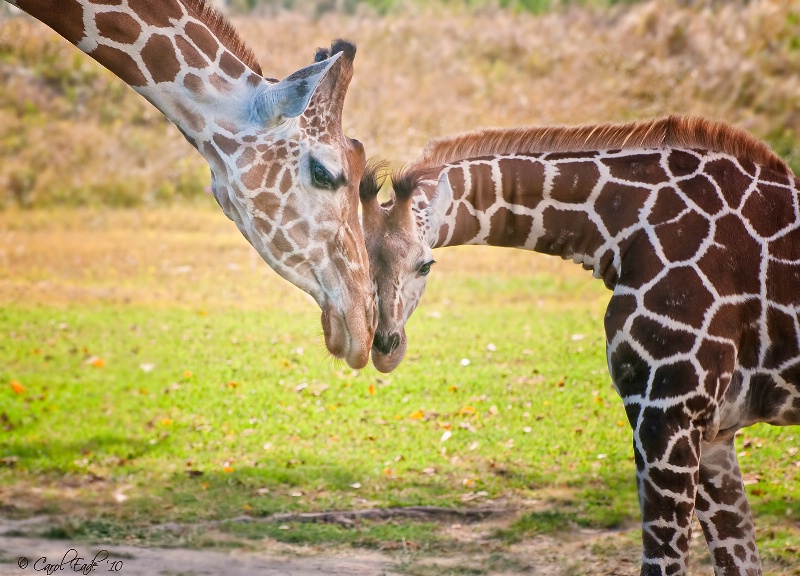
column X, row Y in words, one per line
column 54, row 455
column 130, row 503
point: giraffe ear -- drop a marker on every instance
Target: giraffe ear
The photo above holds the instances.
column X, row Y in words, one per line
column 437, row 209
column 290, row 97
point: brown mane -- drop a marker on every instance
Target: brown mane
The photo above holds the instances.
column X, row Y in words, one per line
column 670, row 132
column 224, row 31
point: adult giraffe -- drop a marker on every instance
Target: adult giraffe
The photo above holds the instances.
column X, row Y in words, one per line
column 281, row 167
column 695, row 226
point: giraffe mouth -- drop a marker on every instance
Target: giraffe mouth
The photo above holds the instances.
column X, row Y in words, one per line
column 346, row 339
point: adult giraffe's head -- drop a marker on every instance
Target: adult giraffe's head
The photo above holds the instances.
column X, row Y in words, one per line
column 291, row 186
column 400, row 235
column 282, row 168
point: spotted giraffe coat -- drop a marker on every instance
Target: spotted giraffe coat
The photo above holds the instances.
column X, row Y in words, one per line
column 695, row 227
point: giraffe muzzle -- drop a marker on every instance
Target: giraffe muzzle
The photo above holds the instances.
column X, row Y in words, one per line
column 388, row 350
column 348, row 336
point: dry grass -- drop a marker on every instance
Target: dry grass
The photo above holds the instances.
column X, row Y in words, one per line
column 71, row 133
column 196, row 259
column 167, row 256
column 439, row 72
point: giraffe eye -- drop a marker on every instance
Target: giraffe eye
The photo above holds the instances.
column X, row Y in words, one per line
column 320, row 177
column 425, row 268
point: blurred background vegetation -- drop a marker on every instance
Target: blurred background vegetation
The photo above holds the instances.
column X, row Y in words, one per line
column 71, row 134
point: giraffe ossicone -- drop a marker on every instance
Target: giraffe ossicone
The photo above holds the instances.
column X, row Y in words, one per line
column 695, row 227
column 281, row 167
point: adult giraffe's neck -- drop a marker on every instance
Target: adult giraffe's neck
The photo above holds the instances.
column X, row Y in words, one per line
column 164, row 50
column 566, row 205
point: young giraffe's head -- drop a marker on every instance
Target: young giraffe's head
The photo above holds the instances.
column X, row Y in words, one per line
column 399, row 236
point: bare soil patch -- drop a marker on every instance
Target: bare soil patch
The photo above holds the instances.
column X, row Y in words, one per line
column 474, row 551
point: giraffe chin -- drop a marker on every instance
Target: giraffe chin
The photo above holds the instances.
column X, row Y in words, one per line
column 342, row 339
column 387, row 362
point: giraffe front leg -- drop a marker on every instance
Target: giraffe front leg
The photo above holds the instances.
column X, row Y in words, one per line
column 724, row 513
column 666, row 448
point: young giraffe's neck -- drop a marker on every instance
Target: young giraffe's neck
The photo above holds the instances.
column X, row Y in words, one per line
column 584, row 206
column 169, row 53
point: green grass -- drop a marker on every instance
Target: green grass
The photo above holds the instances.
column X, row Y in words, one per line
column 260, row 428
column 249, row 388
column 121, row 415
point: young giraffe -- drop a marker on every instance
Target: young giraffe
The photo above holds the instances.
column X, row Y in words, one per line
column 695, row 226
column 281, row 167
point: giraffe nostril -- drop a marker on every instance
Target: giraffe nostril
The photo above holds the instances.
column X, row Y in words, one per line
column 394, row 341
column 386, row 343
column 371, row 316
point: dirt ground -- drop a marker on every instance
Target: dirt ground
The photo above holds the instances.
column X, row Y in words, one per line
column 129, row 560
column 580, row 552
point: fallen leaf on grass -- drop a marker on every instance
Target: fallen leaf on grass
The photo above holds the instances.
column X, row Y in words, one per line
column 446, row 436
column 750, row 479
column 418, row 415
column 96, row 362
column 9, row 461
column 470, row 496
column 17, row 387
column 467, row 410
column 372, row 389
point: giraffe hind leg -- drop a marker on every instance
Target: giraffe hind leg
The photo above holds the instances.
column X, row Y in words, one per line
column 724, row 513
